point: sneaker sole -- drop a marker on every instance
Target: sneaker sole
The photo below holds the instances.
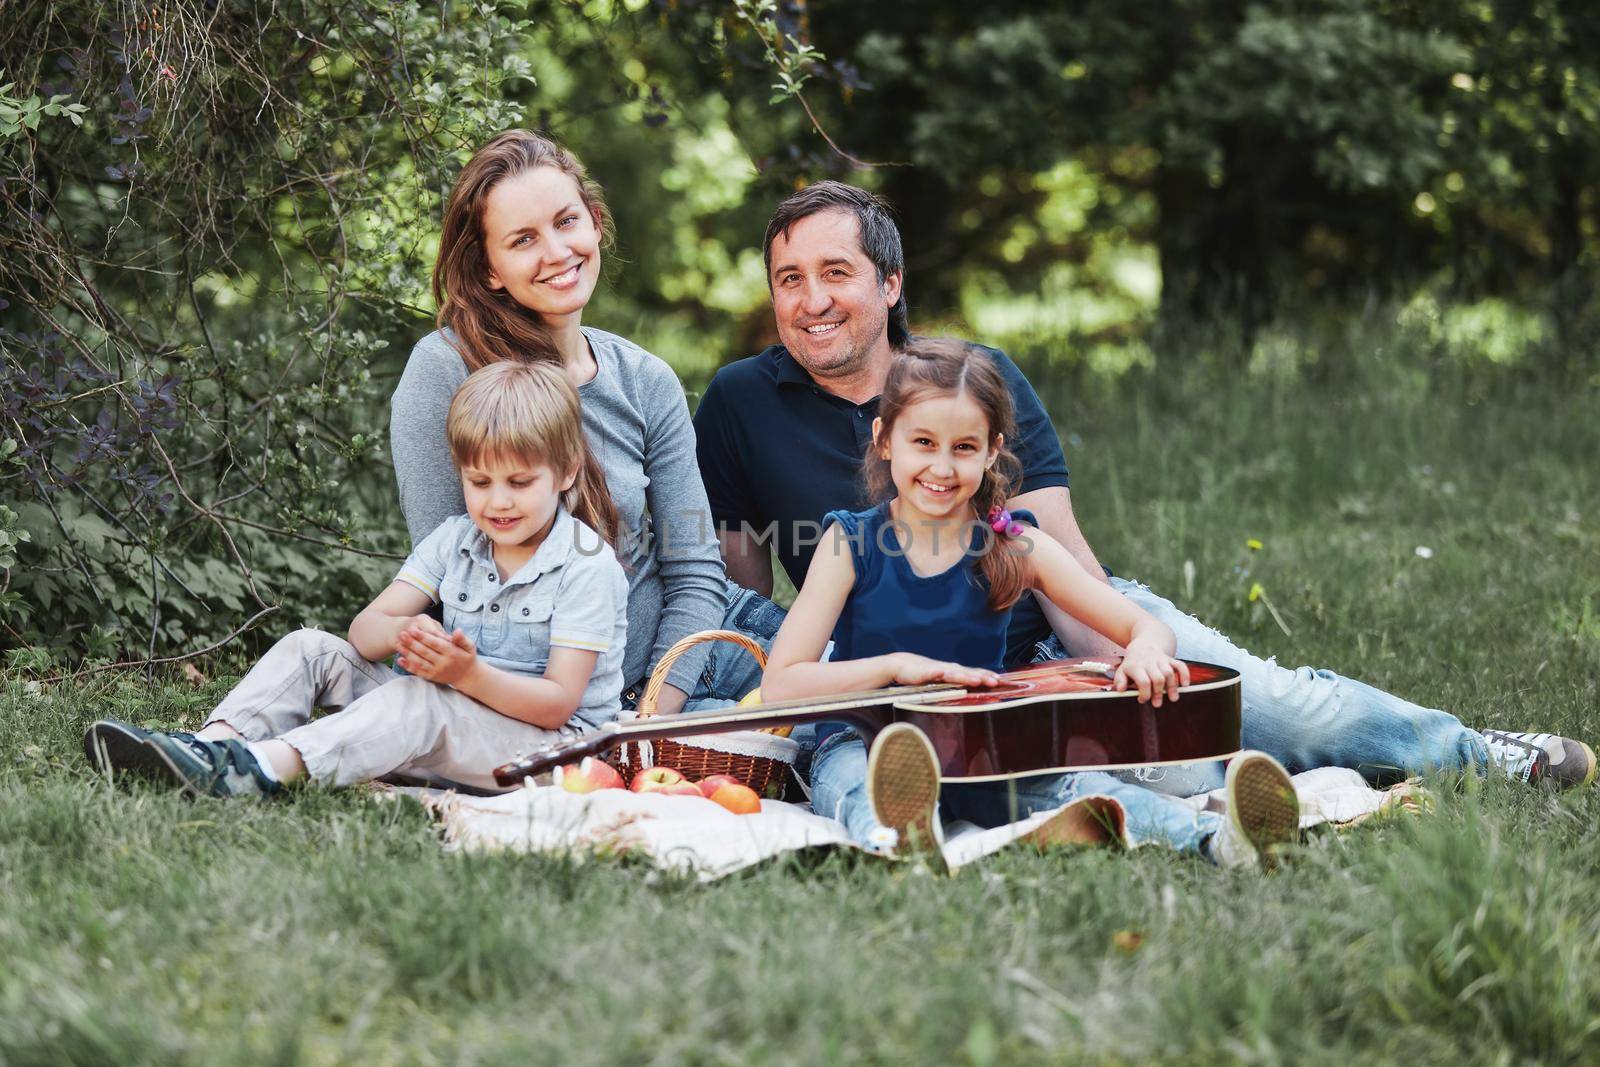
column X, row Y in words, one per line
column 1092, row 820
column 903, row 785
column 113, row 748
column 1262, row 804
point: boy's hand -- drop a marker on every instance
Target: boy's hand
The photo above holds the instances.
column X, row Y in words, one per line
column 438, row 657
column 423, row 623
column 1153, row 673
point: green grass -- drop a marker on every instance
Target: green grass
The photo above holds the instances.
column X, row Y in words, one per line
column 138, row 928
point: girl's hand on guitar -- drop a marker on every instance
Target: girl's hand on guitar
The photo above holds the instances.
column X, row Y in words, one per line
column 1152, row 672
column 911, row 669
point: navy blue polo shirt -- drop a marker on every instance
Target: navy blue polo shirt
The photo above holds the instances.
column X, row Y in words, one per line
column 778, row 452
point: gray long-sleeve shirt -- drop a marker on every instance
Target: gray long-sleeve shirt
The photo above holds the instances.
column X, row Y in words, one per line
column 637, row 422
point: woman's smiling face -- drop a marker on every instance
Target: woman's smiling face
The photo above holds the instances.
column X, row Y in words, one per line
column 542, row 242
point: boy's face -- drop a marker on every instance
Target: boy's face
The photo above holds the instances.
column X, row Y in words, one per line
column 513, row 500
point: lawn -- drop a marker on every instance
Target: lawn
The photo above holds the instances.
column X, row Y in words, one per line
column 1442, row 543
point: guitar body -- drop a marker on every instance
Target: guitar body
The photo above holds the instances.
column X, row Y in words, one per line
column 1055, row 718
column 1049, row 718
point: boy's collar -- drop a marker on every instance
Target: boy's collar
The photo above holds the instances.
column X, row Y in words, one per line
column 553, row 551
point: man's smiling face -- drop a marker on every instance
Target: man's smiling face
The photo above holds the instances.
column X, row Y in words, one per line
column 832, row 311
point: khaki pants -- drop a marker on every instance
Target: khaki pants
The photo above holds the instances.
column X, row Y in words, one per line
column 389, row 723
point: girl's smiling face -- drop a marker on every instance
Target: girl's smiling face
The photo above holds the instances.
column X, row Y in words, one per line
column 938, row 450
column 542, row 242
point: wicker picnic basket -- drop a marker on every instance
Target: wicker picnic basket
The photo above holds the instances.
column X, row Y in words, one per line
column 761, row 759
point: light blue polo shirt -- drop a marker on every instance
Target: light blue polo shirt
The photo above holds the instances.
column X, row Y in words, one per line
column 573, row 593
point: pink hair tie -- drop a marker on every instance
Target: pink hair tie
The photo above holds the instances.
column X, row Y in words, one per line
column 1001, row 522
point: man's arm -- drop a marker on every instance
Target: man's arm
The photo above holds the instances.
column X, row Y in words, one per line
column 722, row 457
column 1052, row 506
column 749, row 561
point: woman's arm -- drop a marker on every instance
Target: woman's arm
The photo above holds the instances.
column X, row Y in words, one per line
column 376, row 631
column 1148, row 662
column 792, row 667
column 694, row 589
column 430, row 487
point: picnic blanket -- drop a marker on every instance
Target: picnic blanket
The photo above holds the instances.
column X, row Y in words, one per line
column 695, row 836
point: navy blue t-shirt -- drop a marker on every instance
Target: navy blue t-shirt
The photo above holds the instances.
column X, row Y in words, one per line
column 892, row 608
column 778, row 452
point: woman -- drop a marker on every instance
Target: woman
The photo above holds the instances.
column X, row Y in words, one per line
column 519, row 256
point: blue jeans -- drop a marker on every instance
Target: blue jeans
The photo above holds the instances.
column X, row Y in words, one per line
column 1309, row 717
column 839, row 791
column 730, row 672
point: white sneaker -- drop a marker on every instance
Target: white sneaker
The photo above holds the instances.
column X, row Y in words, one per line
column 1263, row 813
column 1545, row 758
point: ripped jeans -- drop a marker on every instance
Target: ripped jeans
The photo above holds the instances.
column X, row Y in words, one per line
column 1306, row 717
column 839, row 791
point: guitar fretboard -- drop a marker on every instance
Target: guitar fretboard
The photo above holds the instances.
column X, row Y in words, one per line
column 751, row 717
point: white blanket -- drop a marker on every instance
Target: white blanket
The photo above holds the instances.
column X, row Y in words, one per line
column 695, row 836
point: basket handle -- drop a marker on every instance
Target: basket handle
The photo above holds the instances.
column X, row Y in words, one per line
column 658, row 677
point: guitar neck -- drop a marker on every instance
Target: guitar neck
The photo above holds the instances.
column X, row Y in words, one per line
column 776, row 713
column 866, row 708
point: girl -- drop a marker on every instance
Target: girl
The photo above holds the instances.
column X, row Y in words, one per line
column 531, row 647
column 519, row 257
column 919, row 588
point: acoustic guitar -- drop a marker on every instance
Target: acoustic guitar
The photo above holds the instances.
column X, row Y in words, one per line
column 1049, row 718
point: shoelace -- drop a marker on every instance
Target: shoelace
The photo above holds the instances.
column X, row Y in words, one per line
column 1521, row 755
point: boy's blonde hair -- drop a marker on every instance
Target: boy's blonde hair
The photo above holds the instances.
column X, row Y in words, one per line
column 529, row 412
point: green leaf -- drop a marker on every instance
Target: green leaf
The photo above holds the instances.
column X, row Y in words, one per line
column 89, row 530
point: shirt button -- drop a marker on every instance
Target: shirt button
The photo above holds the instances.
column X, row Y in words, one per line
column 493, row 577
column 494, row 607
column 461, row 597
column 524, row 611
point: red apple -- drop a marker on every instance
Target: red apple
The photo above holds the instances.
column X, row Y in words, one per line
column 737, row 798
column 662, row 780
column 588, row 776
column 711, row 783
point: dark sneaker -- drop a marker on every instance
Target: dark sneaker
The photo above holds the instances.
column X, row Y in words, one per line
column 903, row 789
column 209, row 768
column 117, row 748
column 1548, row 759
column 1263, row 813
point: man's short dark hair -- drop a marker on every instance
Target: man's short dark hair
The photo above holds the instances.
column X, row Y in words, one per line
column 880, row 237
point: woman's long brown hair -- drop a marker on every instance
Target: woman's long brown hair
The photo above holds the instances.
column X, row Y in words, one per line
column 489, row 325
column 939, row 366
column 529, row 412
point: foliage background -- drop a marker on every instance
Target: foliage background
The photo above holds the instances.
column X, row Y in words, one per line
column 1307, row 288
column 219, row 219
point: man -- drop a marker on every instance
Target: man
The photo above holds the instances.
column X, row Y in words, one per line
column 781, row 437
